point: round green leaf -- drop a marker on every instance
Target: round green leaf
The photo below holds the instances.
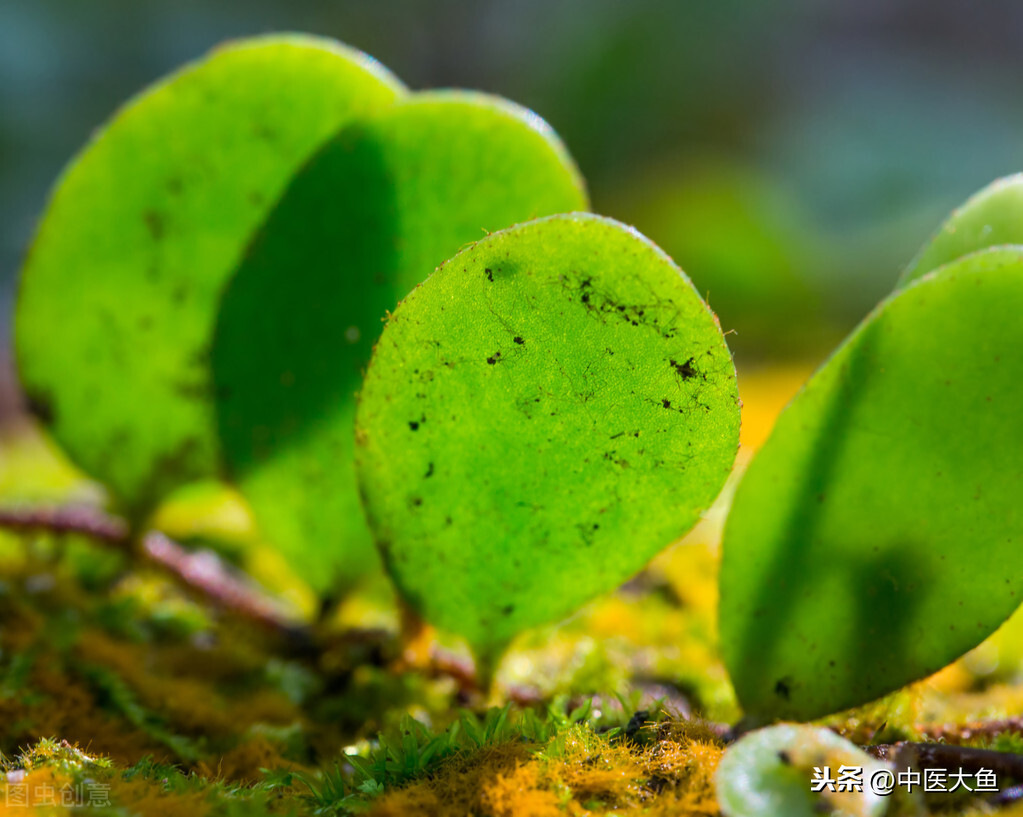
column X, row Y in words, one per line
column 876, row 535
column 545, row 413
column 119, row 294
column 990, row 218
column 374, row 212
column 770, row 772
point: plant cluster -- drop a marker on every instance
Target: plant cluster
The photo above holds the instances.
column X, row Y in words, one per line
column 549, row 405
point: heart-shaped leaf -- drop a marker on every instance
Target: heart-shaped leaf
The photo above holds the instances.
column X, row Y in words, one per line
column 545, row 413
column 876, row 535
column 990, row 218
column 369, row 218
column 119, row 295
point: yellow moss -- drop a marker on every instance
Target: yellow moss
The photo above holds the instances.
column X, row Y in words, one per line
column 678, row 769
column 577, row 774
column 66, row 707
column 48, row 789
column 189, row 702
column 457, row 789
column 42, row 787
column 244, row 762
column 419, row 799
column 590, row 769
column 517, row 793
column 148, row 797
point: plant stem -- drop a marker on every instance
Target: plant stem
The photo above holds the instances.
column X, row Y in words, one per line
column 200, row 572
column 950, row 756
column 85, row 521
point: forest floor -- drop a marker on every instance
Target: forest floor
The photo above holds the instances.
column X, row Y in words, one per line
column 122, row 689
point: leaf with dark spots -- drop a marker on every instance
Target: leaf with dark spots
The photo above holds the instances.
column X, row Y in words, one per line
column 150, row 218
column 685, row 370
column 517, row 527
column 155, row 223
column 369, row 217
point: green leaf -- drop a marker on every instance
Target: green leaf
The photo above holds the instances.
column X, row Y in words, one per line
column 369, row 218
column 769, row 772
column 990, row 218
column 543, row 415
column 875, row 536
column 119, row 295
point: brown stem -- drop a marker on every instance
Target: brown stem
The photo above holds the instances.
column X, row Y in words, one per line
column 205, row 573
column 950, row 756
column 85, row 521
column 201, row 572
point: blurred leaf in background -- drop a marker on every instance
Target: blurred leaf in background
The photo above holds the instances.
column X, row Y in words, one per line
column 743, row 239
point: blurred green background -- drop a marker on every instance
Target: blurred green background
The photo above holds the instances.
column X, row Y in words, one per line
column 791, row 155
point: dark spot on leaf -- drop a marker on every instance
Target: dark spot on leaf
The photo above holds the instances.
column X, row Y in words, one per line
column 429, row 472
column 264, row 132
column 192, row 389
column 783, row 756
column 490, row 275
column 154, row 221
column 494, row 359
column 519, row 340
column 782, row 689
column 666, row 403
column 685, row 370
column 508, row 610
column 413, row 425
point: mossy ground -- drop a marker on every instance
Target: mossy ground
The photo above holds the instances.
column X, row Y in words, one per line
column 120, row 691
